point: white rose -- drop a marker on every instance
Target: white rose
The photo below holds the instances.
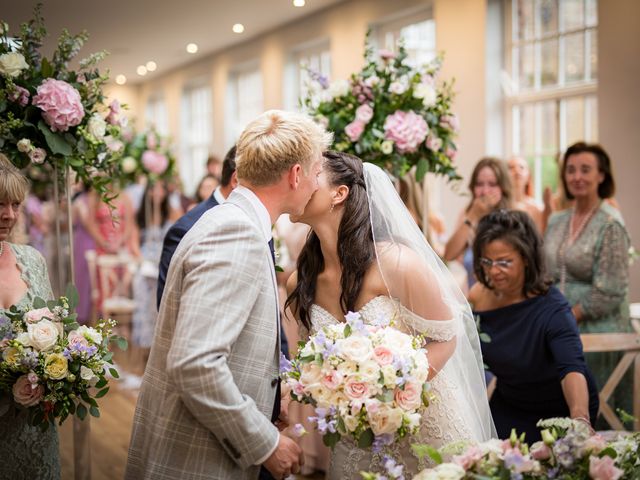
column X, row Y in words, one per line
column 86, row 373
column 90, row 334
column 42, row 335
column 355, row 348
column 399, row 86
column 370, row 370
column 350, row 422
column 97, row 126
column 310, row 373
column 24, row 339
column 420, row 371
column 25, row 145
column 385, row 420
column 347, row 368
column 426, row 92
column 444, row 471
column 321, row 394
column 397, row 341
column 389, row 374
column 12, row 63
column 129, row 164
column 339, row 88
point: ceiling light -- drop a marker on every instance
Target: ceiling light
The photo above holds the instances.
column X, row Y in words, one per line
column 142, row 70
column 238, row 28
column 121, row 79
column 192, row 48
column 298, row 3
column 151, row 66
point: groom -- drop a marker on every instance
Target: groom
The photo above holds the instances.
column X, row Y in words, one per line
column 212, row 377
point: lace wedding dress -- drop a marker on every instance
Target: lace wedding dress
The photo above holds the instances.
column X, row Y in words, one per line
column 442, row 422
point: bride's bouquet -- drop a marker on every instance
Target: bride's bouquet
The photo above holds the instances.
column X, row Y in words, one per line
column 50, row 365
column 366, row 381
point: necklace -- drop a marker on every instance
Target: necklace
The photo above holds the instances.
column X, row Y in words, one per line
column 570, row 238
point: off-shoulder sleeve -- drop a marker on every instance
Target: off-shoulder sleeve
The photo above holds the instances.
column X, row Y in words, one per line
column 610, row 272
column 437, row 330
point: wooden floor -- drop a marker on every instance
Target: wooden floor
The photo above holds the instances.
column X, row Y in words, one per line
column 111, row 432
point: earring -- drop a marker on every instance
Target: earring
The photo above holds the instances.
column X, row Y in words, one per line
column 331, row 209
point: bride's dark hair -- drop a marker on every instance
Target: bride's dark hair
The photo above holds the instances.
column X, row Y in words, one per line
column 356, row 250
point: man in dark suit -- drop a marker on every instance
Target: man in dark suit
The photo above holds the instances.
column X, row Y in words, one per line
column 178, row 230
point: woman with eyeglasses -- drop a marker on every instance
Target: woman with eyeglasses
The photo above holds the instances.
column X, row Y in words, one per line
column 534, row 346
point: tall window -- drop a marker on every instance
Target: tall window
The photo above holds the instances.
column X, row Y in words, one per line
column 417, row 30
column 553, row 64
column 316, row 57
column 195, row 135
column 245, row 101
column 156, row 115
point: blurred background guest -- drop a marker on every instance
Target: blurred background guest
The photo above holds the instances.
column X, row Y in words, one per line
column 27, row 451
column 214, row 166
column 523, row 190
column 534, row 349
column 490, row 189
column 205, row 188
column 587, row 249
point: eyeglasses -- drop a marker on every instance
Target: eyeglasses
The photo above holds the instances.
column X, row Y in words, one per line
column 501, row 264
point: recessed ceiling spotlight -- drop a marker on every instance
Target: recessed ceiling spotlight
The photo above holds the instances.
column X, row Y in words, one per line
column 151, row 66
column 121, row 79
column 142, row 70
column 238, row 28
column 298, row 3
column 192, row 48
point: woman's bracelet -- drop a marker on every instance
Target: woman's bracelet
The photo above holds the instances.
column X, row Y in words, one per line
column 582, row 419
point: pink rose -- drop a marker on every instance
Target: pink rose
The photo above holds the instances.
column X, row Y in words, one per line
column 154, row 162
column 354, row 130
column 433, row 143
column 364, row 113
column 450, row 121
column 407, row 129
column 540, row 451
column 25, row 393
column 19, row 95
column 61, row 104
column 114, row 112
column 410, row 398
column 152, row 142
column 34, row 316
column 603, row 468
column 77, row 340
column 468, row 458
column 331, row 380
column 356, row 389
column 451, row 153
column 382, row 355
column 386, row 54
column 38, row 156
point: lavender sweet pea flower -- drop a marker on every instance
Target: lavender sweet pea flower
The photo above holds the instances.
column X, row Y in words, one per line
column 381, row 441
column 393, row 469
column 285, row 365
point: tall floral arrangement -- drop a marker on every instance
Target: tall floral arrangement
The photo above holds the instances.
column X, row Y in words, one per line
column 51, row 114
column 390, row 113
column 146, row 154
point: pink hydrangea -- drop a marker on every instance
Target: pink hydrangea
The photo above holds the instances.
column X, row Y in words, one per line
column 354, row 130
column 61, row 104
column 407, row 129
column 155, row 162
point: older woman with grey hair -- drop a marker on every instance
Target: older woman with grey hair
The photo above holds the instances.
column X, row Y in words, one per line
column 23, row 276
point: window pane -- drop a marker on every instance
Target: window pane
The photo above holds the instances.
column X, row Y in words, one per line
column 574, row 58
column 572, row 14
column 593, row 53
column 526, row 66
column 420, row 41
column 549, row 127
column 592, row 102
column 549, row 59
column 591, row 13
column 548, row 16
column 550, row 172
column 524, row 19
column 574, row 120
column 527, row 129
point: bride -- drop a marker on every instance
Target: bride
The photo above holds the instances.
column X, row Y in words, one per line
column 366, row 254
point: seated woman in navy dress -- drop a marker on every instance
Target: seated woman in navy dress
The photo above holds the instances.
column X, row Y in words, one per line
column 534, row 349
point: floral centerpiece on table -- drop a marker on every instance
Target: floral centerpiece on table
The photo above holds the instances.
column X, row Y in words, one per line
column 51, row 114
column 368, row 382
column 146, row 154
column 50, row 365
column 390, row 114
column 568, row 451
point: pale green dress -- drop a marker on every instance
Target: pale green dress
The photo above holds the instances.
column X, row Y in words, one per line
column 597, row 278
column 26, row 451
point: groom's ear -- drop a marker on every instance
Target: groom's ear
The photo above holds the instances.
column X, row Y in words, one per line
column 294, row 176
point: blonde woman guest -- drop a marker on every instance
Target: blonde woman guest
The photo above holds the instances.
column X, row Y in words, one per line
column 490, row 188
column 28, row 451
column 523, row 190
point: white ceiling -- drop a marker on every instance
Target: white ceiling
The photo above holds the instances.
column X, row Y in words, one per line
column 136, row 31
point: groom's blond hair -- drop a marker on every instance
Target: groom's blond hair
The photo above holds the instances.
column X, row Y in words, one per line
column 274, row 142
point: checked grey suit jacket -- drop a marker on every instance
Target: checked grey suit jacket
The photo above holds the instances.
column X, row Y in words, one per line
column 209, row 387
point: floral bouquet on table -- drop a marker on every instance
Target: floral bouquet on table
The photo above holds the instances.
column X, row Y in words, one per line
column 568, row 451
column 50, row 365
column 367, row 382
column 51, row 115
column 146, row 154
column 390, row 114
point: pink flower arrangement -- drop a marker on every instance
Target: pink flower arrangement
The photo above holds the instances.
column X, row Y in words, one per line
column 155, row 162
column 61, row 104
column 407, row 129
column 354, row 130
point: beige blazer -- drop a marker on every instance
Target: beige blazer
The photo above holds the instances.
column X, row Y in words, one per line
column 209, row 387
